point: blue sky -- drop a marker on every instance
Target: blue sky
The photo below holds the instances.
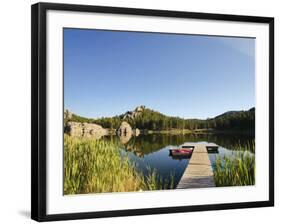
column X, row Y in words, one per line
column 107, row 73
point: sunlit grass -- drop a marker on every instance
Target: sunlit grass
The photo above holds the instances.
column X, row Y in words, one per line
column 236, row 170
column 95, row 166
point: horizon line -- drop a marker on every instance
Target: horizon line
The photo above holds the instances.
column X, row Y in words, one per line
column 185, row 118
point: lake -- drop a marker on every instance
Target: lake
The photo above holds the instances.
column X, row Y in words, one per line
column 151, row 151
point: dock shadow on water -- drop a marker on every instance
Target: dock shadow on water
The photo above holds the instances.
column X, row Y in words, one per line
column 152, row 152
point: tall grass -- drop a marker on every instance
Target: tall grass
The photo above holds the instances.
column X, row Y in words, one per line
column 95, row 166
column 236, row 170
column 246, row 146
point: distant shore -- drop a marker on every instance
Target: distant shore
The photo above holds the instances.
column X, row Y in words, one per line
column 197, row 131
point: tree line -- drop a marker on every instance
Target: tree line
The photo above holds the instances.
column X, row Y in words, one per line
column 153, row 120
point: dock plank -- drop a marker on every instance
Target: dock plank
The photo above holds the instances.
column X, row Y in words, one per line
column 199, row 172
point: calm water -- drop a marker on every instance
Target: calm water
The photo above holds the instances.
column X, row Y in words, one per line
column 152, row 151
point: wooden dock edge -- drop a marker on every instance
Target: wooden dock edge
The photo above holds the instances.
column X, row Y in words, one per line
column 199, row 171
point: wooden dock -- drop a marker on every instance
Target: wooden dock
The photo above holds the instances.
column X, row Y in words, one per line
column 199, row 171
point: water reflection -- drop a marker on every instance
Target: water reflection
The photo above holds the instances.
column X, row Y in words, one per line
column 152, row 151
column 180, row 157
column 146, row 144
column 125, row 138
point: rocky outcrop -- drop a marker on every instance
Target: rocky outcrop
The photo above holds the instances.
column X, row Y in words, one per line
column 125, row 132
column 74, row 129
column 135, row 113
column 67, row 115
column 85, row 130
column 91, row 130
column 125, row 129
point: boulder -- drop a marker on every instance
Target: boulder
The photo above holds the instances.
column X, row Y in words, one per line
column 79, row 129
column 74, row 128
column 93, row 130
column 124, row 129
column 136, row 132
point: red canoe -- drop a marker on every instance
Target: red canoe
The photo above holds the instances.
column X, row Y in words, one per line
column 180, row 152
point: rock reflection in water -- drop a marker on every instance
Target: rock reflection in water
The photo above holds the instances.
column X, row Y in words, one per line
column 125, row 138
column 129, row 143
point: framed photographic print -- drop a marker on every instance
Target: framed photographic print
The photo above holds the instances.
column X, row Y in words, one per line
column 139, row 111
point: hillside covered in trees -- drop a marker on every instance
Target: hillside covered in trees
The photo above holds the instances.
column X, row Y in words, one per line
column 148, row 119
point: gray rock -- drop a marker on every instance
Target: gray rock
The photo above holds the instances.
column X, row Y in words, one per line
column 85, row 130
column 67, row 115
column 135, row 113
column 140, row 108
column 136, row 132
column 94, row 130
column 124, row 129
column 74, row 129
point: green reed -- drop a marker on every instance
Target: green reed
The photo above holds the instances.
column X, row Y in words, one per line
column 246, row 146
column 95, row 166
column 236, row 170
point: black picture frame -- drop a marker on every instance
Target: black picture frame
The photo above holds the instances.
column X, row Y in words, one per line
column 38, row 108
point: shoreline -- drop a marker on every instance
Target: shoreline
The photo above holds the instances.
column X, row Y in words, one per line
column 187, row 131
